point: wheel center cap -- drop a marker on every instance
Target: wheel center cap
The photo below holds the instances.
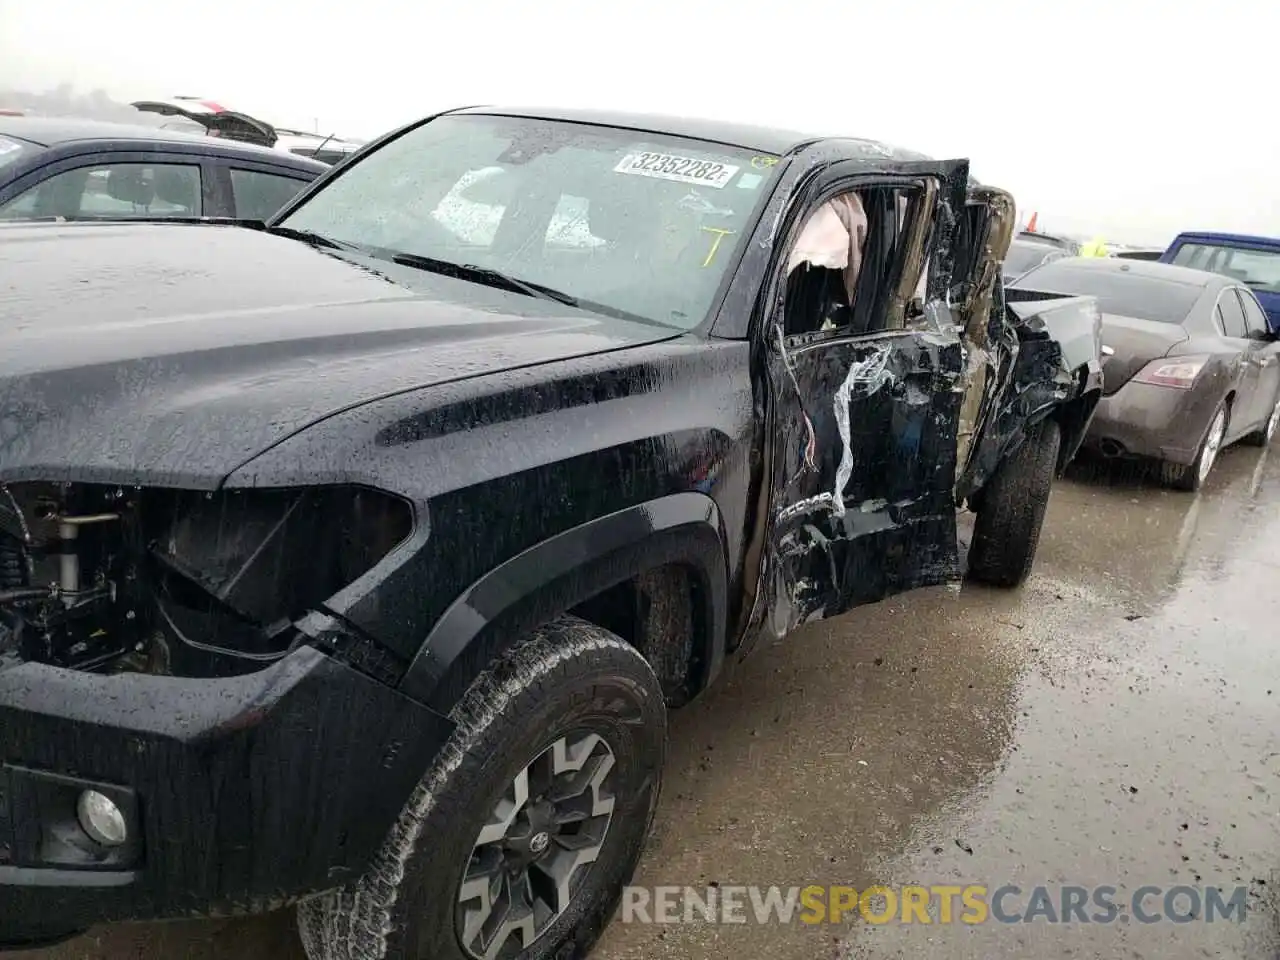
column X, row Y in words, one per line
column 539, row 842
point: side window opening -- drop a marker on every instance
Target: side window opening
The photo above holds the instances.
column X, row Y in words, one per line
column 1255, row 318
column 259, row 195
column 846, row 261
column 824, row 265
column 112, row 191
column 1233, row 320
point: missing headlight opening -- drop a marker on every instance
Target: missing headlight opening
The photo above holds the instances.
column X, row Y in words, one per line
column 183, row 583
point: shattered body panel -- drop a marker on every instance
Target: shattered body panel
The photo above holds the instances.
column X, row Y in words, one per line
column 886, row 523
column 1025, row 362
column 268, row 507
column 862, row 496
column 1041, row 380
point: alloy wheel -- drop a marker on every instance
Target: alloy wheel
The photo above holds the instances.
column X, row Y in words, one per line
column 533, row 853
column 1274, row 423
column 1213, row 443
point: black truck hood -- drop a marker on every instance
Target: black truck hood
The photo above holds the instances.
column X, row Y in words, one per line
column 174, row 353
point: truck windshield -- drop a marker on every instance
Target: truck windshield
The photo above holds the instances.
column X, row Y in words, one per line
column 1255, row 267
column 644, row 224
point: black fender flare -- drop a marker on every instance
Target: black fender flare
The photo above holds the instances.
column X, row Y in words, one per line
column 562, row 571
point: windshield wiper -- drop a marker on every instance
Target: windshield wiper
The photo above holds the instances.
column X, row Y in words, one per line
column 485, row 275
column 311, row 237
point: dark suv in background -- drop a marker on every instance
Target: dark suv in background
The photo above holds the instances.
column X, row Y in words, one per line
column 57, row 167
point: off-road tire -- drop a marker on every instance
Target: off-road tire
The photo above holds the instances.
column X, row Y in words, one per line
column 569, row 675
column 1011, row 510
column 1187, row 477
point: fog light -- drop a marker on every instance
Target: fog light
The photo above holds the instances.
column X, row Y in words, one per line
column 101, row 819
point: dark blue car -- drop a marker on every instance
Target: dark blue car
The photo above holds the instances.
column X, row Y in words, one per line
column 1252, row 261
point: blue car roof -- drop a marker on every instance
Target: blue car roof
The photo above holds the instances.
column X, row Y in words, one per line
column 1272, row 243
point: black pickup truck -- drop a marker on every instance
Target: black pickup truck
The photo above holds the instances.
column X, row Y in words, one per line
column 353, row 560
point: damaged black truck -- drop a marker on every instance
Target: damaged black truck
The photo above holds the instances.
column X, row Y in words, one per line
column 353, row 561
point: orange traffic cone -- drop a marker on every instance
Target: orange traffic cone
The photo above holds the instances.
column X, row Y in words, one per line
column 1031, row 224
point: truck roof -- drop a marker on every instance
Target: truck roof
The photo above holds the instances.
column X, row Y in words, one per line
column 772, row 140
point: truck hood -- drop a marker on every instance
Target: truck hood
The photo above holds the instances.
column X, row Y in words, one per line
column 174, row 353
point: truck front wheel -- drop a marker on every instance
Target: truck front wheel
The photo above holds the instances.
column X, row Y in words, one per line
column 1011, row 509
column 522, row 835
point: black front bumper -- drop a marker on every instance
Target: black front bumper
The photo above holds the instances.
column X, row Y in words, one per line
column 246, row 793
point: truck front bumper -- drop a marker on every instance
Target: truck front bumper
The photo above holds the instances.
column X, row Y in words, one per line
column 239, row 794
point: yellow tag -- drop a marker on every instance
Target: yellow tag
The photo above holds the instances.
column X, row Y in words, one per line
column 715, row 244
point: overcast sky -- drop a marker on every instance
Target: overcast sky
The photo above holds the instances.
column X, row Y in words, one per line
column 1133, row 118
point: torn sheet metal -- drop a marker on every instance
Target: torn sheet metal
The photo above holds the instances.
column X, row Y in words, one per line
column 861, row 494
column 980, row 385
column 868, row 510
column 1025, row 359
column 986, row 229
column 1055, row 362
column 866, row 376
column 882, row 436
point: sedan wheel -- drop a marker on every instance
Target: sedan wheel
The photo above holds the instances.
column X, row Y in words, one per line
column 1263, row 437
column 1193, row 477
column 1212, row 444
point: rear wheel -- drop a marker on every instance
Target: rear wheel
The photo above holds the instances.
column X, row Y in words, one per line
column 1011, row 509
column 1263, row 437
column 1192, row 477
column 519, row 840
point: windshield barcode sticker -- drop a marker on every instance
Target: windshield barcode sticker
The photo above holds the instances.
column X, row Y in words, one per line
column 668, row 166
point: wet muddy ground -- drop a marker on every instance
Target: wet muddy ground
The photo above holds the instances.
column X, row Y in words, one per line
column 1113, row 723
